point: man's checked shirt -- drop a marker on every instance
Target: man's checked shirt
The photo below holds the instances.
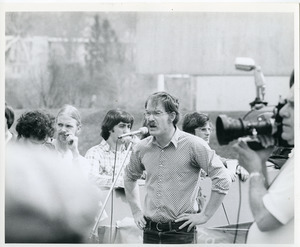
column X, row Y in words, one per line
column 102, row 158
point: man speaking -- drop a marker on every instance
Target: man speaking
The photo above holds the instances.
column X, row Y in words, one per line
column 172, row 160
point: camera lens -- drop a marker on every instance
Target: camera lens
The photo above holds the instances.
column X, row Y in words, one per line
column 229, row 129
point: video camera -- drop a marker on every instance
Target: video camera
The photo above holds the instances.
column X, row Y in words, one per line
column 260, row 120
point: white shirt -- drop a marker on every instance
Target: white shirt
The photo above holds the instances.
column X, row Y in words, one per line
column 279, row 201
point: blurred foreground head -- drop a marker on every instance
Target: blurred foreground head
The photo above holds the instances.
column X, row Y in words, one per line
column 45, row 201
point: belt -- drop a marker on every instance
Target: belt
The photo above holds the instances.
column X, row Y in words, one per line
column 166, row 226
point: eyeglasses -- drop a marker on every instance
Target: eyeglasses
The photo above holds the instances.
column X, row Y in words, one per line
column 155, row 114
column 204, row 129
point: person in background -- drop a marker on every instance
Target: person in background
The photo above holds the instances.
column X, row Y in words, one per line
column 199, row 124
column 68, row 127
column 36, row 128
column 9, row 120
column 272, row 204
column 107, row 157
column 173, row 160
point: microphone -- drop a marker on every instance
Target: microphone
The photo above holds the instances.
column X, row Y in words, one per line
column 143, row 131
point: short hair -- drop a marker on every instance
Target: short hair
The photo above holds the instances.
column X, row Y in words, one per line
column 71, row 111
column 35, row 124
column 194, row 120
column 9, row 115
column 170, row 103
column 112, row 118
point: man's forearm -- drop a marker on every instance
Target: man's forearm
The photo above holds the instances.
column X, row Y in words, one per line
column 133, row 195
column 213, row 203
column 263, row 218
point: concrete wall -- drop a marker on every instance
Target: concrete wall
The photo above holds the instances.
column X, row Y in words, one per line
column 205, row 45
column 234, row 93
column 208, row 43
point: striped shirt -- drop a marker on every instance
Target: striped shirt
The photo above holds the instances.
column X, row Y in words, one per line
column 102, row 159
column 173, row 174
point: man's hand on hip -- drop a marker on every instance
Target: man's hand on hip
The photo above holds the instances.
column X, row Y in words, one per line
column 192, row 220
column 139, row 220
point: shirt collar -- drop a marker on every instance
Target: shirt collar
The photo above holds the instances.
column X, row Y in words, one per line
column 173, row 140
column 105, row 146
column 175, row 137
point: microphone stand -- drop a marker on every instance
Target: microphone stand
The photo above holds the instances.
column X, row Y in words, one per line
column 94, row 230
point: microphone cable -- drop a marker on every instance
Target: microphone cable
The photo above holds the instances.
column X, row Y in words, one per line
column 225, row 213
column 239, row 210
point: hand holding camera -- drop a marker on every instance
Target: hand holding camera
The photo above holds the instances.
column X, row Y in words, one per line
column 258, row 130
column 254, row 161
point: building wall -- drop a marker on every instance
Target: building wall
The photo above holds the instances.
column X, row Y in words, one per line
column 205, row 45
column 234, row 93
column 202, row 46
column 208, row 43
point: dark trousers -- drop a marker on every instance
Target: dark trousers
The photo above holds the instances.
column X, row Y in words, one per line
column 168, row 233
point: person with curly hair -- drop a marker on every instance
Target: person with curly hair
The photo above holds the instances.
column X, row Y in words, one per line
column 36, row 127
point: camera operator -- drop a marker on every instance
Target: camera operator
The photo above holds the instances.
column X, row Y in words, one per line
column 272, row 205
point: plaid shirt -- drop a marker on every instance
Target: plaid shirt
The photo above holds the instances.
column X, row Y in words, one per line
column 102, row 158
column 173, row 174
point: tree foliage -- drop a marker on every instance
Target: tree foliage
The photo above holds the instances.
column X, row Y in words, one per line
column 87, row 66
column 105, row 61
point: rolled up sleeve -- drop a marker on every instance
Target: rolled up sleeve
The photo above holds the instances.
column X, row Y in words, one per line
column 219, row 175
column 213, row 166
column 134, row 170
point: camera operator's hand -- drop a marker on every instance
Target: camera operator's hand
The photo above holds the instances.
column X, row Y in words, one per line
column 242, row 173
column 72, row 144
column 254, row 161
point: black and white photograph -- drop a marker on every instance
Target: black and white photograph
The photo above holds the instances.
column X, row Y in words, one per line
column 149, row 123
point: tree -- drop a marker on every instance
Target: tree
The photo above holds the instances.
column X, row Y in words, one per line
column 105, row 60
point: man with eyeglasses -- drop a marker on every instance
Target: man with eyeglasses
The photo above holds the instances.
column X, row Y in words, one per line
column 172, row 160
column 102, row 156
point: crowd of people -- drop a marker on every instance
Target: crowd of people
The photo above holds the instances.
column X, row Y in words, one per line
column 59, row 191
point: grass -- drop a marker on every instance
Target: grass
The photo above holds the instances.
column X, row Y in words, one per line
column 91, row 127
